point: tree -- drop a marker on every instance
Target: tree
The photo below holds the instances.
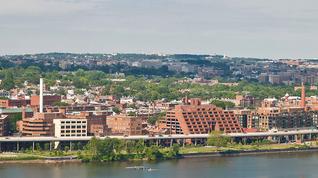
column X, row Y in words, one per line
column 153, row 119
column 8, row 81
column 13, row 122
column 38, row 147
column 104, row 150
column 46, row 146
column 79, row 145
column 116, row 110
column 60, row 103
column 173, row 151
column 223, row 104
column 217, row 139
column 153, row 153
column 139, row 146
column 119, row 91
column 66, row 148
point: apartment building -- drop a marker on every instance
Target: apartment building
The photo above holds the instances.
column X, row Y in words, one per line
column 196, row 118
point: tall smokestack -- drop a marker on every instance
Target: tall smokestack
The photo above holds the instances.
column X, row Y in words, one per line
column 303, row 96
column 41, row 95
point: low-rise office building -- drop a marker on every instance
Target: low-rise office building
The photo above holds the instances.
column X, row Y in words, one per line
column 70, row 127
column 125, row 125
column 96, row 122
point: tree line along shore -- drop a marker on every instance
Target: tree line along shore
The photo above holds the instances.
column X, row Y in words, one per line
column 98, row 150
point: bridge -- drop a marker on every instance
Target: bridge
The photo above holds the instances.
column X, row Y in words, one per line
column 178, row 138
column 159, row 137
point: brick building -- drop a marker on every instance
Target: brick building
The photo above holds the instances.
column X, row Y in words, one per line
column 41, row 124
column 10, row 103
column 196, row 118
column 125, row 125
column 96, row 122
column 48, row 100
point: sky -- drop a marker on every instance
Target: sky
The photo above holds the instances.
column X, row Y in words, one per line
column 246, row 28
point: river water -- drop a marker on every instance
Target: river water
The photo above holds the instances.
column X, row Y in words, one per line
column 289, row 165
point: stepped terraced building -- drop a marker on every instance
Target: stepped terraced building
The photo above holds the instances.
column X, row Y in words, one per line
column 196, row 118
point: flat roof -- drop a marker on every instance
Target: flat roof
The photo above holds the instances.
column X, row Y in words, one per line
column 14, row 110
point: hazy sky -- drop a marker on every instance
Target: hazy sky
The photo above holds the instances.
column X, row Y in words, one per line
column 256, row 28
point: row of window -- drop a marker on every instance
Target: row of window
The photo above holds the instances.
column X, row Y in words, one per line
column 72, row 135
column 73, row 131
column 73, row 122
column 73, row 127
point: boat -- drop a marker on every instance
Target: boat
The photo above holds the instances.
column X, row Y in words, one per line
column 141, row 168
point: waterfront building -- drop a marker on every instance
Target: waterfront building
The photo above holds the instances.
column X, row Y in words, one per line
column 41, row 124
column 196, row 118
column 70, row 127
column 96, row 122
column 125, row 125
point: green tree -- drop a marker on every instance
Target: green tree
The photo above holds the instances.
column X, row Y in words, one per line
column 217, row 139
column 13, row 122
column 173, row 151
column 139, row 146
column 46, row 146
column 60, row 103
column 223, row 104
column 119, row 91
column 116, row 110
column 38, row 147
column 153, row 153
column 153, row 119
column 8, row 81
column 104, row 150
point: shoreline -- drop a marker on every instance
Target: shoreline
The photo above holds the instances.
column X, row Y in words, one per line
column 40, row 161
column 181, row 156
column 247, row 152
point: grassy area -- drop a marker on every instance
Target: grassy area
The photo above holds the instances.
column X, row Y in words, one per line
column 238, row 147
column 40, row 155
column 19, row 156
column 53, row 153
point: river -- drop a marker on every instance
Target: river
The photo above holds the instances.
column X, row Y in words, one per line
column 289, row 165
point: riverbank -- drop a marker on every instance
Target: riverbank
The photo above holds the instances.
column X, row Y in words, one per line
column 42, row 157
column 247, row 152
column 39, row 161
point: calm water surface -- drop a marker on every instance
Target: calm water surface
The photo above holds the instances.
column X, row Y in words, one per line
column 289, row 165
